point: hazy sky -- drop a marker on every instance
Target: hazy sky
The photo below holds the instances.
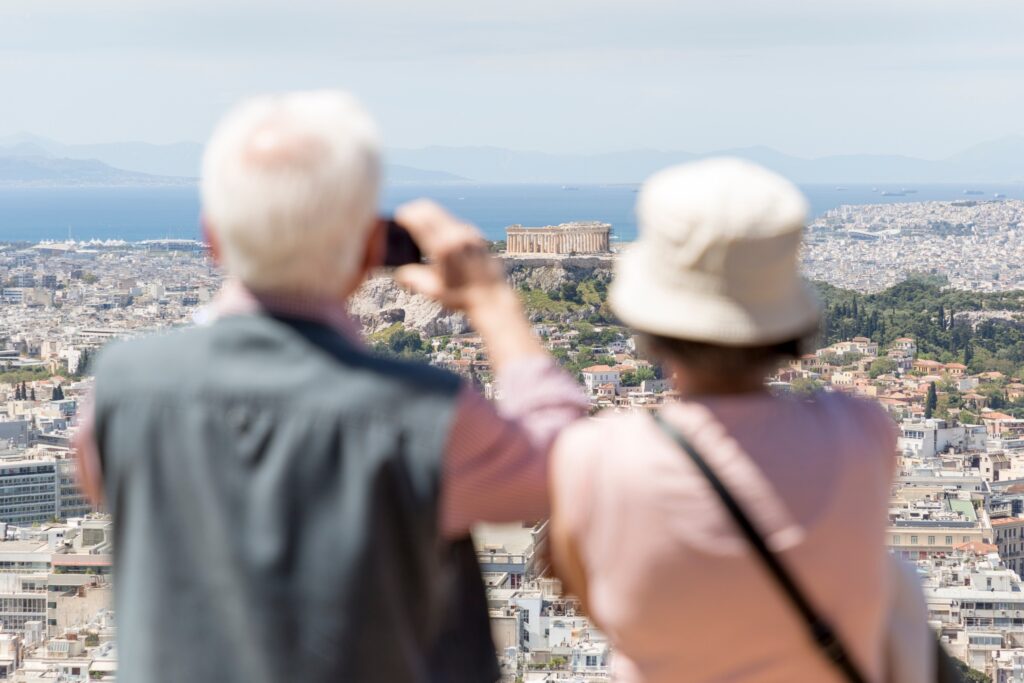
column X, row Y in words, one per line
column 815, row 77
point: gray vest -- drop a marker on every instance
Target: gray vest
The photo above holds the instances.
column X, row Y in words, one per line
column 275, row 500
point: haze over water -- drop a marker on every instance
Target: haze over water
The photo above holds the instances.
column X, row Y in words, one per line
column 34, row 214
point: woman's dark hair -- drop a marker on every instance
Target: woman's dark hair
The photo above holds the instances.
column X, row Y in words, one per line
column 728, row 358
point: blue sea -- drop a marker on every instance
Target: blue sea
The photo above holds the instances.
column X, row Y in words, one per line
column 132, row 214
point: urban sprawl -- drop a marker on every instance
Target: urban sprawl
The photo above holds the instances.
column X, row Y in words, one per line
column 957, row 507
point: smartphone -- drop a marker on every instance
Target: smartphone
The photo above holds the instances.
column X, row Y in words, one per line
column 401, row 248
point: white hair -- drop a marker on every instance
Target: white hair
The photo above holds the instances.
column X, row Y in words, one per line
column 289, row 190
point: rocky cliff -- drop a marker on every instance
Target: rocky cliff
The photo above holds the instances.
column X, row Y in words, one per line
column 549, row 274
column 380, row 302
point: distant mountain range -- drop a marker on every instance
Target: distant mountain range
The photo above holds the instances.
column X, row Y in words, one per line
column 999, row 161
column 33, row 171
column 29, row 159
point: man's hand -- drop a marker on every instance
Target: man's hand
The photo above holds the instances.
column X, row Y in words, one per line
column 460, row 272
column 462, row 275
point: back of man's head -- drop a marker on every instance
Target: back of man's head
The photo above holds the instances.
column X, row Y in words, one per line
column 289, row 191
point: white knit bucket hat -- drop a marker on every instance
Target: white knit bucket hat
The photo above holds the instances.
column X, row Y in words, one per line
column 717, row 260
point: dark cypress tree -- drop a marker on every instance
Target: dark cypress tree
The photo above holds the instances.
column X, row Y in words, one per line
column 32, row 394
column 931, row 401
column 58, row 394
column 968, row 353
column 17, row 393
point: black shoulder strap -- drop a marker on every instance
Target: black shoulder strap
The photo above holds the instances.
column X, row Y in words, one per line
column 820, row 631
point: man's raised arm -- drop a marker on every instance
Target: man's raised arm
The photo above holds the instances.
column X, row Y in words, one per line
column 496, row 464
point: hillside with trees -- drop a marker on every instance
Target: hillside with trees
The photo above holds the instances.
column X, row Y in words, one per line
column 982, row 330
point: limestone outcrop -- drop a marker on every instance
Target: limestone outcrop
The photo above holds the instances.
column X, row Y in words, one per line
column 380, row 303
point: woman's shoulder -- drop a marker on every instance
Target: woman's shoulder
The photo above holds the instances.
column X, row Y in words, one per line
column 863, row 423
column 841, row 406
column 585, row 441
column 603, row 448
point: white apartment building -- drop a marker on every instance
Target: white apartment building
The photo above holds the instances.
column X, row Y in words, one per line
column 1008, row 535
column 596, row 375
column 928, row 438
column 39, row 490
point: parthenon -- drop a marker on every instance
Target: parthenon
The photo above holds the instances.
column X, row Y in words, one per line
column 566, row 238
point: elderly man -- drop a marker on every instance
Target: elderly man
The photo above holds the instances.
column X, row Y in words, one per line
column 282, row 499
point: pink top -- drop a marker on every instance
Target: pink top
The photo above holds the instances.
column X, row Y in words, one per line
column 671, row 580
column 495, row 467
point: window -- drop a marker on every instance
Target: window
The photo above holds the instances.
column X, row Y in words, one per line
column 896, row 539
column 949, row 540
column 931, row 540
column 913, row 540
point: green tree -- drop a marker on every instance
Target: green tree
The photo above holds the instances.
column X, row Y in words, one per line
column 970, row 675
column 405, row 342
column 645, row 374
column 994, row 393
column 804, row 386
column 881, row 366
column 84, row 358
column 932, row 401
column 17, row 376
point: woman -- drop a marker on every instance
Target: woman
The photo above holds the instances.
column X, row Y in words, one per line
column 713, row 287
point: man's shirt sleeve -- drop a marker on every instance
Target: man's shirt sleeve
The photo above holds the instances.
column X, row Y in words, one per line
column 496, row 464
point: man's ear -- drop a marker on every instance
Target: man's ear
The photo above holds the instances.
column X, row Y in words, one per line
column 210, row 237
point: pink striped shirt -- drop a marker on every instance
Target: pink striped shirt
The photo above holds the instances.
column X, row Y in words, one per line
column 495, row 466
column 673, row 582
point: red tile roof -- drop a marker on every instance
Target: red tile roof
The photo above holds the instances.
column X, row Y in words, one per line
column 599, row 368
